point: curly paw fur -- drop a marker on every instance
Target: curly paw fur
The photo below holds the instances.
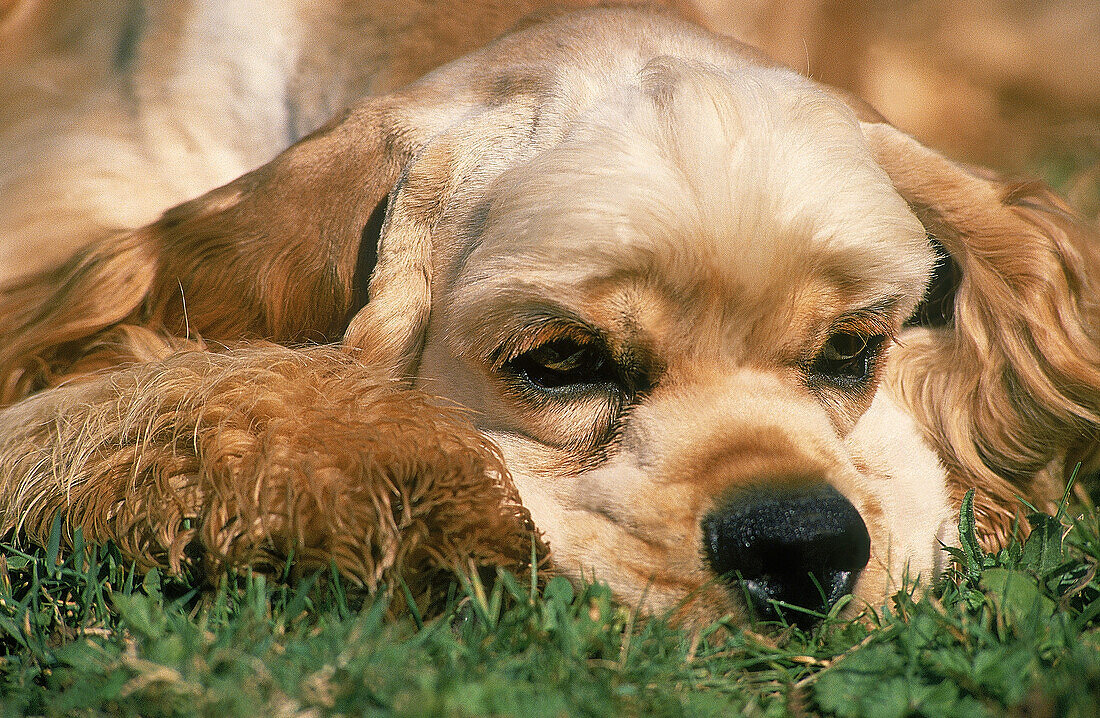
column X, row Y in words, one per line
column 247, row 457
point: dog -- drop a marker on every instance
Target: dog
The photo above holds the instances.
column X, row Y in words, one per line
column 609, row 288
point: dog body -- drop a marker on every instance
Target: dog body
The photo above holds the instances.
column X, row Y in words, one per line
column 117, row 110
column 690, row 297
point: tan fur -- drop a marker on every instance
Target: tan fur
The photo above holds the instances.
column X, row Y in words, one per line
column 614, row 175
column 260, row 455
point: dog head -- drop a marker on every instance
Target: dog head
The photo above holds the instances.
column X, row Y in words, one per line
column 676, row 286
column 670, row 307
column 741, row 343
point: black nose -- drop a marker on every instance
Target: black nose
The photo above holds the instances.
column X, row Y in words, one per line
column 803, row 546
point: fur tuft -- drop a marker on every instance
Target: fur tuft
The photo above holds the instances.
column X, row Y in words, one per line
column 248, row 457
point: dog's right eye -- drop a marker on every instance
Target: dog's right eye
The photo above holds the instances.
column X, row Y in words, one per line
column 565, row 363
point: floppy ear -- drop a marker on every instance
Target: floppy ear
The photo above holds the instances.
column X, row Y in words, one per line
column 1004, row 374
column 282, row 253
column 271, row 255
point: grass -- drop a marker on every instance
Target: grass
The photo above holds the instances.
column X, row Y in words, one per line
column 1016, row 633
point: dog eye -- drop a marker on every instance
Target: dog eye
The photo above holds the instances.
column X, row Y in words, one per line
column 848, row 357
column 564, row 363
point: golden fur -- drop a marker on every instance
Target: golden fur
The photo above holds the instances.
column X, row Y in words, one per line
column 248, row 457
column 614, row 180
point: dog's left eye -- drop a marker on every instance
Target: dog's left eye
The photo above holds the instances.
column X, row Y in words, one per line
column 564, row 363
column 848, row 357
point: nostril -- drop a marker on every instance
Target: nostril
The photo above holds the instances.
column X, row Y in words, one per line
column 804, row 546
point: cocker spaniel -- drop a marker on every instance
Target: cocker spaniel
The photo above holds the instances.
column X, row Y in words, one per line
column 608, row 286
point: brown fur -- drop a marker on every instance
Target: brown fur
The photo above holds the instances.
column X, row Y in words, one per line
column 129, row 415
column 257, row 455
column 1015, row 406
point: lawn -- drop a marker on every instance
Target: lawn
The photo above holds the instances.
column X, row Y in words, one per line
column 1016, row 633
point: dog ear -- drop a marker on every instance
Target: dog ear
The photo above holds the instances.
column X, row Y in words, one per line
column 270, row 255
column 287, row 252
column 453, row 169
column 282, row 253
column 1004, row 373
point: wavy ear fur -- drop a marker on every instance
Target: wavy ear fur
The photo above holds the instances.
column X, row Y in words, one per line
column 1008, row 389
column 449, row 173
column 270, row 255
column 283, row 253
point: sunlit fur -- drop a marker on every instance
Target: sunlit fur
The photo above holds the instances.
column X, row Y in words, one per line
column 612, row 173
column 246, row 458
column 1009, row 393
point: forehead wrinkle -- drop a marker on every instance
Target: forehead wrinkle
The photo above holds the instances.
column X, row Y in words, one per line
column 733, row 196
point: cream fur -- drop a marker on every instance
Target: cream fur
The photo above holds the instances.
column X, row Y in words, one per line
column 187, row 97
column 612, row 176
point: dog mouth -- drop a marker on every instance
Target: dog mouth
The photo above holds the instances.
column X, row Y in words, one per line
column 788, row 554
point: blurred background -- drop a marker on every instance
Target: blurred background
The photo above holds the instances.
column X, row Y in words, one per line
column 1011, row 84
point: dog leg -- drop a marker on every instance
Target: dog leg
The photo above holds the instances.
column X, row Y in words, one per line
column 248, row 457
